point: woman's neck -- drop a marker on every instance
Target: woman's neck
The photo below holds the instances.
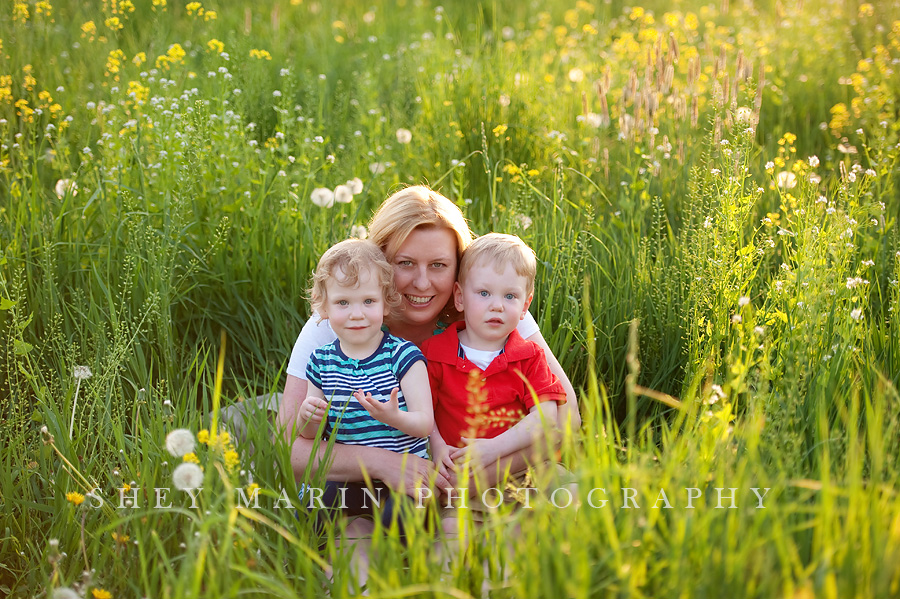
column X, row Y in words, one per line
column 416, row 333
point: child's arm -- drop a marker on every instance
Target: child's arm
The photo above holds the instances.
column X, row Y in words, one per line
column 440, row 453
column 311, row 412
column 540, row 419
column 418, row 420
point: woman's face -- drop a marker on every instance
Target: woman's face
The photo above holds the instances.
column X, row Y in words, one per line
column 424, row 273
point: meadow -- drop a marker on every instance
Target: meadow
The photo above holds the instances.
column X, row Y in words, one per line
column 711, row 192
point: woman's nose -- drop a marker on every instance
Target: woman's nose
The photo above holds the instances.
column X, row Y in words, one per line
column 421, row 281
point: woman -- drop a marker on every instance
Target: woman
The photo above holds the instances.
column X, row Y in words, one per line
column 423, row 235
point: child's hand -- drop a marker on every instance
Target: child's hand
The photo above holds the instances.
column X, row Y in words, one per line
column 382, row 412
column 442, row 460
column 312, row 410
column 482, row 453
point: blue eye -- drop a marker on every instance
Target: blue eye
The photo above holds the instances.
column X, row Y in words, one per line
column 342, row 303
column 370, row 302
column 483, row 293
column 510, row 296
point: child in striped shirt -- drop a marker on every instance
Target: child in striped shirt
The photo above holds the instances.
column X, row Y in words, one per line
column 370, row 387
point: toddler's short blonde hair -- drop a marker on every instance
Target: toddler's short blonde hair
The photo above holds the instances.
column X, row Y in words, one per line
column 500, row 249
column 352, row 257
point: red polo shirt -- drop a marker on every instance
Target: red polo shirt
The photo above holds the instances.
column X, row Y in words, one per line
column 484, row 404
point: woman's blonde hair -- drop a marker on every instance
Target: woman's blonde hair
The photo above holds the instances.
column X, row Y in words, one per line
column 352, row 257
column 413, row 208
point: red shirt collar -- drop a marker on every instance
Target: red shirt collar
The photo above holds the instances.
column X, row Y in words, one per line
column 516, row 347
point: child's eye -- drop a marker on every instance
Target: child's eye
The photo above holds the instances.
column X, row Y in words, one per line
column 510, row 296
column 483, row 293
column 370, row 302
column 342, row 303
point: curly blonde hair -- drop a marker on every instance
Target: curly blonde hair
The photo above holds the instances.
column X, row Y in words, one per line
column 352, row 257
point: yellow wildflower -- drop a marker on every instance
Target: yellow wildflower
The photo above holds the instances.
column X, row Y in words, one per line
column 636, row 13
column 126, row 487
column 232, row 459
column 139, row 59
column 20, row 12
column 261, row 54
column 139, row 92
column 114, row 61
column 512, row 169
column 159, row 4
column 43, row 8
column 216, row 46
column 126, row 6
column 533, row 172
column 203, row 436
column 6, row 88
column 251, row 489
column 191, row 457
column 101, row 594
column 866, row 10
column 589, row 29
column 113, row 23
column 75, row 497
column 691, row 21
column 89, row 30
column 500, row 130
column 120, row 539
column 194, row 7
column 210, row 15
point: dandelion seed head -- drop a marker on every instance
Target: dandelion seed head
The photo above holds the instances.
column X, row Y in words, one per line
column 404, row 136
column 743, row 301
column 187, row 476
column 322, row 197
column 356, row 185
column 82, row 372
column 65, row 593
column 856, row 314
column 180, row 442
column 359, row 232
column 343, row 194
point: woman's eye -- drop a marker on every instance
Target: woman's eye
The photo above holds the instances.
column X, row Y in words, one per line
column 438, row 265
column 405, row 263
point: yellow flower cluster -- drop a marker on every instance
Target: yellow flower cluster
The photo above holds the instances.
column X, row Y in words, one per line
column 261, row 54
column 216, row 46
column 20, row 12
column 101, row 594
column 161, row 4
column 6, row 88
column 194, row 7
column 74, row 497
column 221, row 442
column 174, row 55
column 113, row 23
column 114, row 62
column 43, row 8
column 89, row 30
column 137, row 91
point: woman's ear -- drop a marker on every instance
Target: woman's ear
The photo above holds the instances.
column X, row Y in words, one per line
column 525, row 309
column 457, row 297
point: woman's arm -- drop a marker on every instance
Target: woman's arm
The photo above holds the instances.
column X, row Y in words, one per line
column 568, row 412
column 403, row 472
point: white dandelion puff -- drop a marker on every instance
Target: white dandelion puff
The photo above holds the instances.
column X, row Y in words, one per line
column 356, row 185
column 856, row 314
column 743, row 115
column 343, row 194
column 322, row 197
column 359, row 232
column 786, row 180
column 814, row 161
column 64, row 186
column 743, row 301
column 82, row 372
column 377, row 168
column 64, row 593
column 404, row 136
column 180, row 442
column 187, row 476
column 576, row 75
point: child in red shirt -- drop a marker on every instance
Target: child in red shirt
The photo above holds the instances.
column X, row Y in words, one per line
column 502, row 407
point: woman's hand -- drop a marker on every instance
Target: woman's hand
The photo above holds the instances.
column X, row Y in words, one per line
column 481, row 453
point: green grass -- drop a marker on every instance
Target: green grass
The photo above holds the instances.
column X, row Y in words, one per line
column 672, row 266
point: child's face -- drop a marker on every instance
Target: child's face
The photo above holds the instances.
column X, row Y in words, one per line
column 493, row 304
column 355, row 312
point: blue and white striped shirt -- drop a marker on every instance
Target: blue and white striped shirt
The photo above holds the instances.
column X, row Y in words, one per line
column 338, row 376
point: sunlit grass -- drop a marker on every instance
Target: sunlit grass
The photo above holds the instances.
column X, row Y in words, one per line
column 710, row 191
